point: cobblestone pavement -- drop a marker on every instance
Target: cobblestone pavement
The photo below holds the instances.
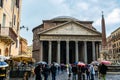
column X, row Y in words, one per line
column 64, row 76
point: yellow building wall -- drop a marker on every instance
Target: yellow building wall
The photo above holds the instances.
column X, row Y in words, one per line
column 8, row 10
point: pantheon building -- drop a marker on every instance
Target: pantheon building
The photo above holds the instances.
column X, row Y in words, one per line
column 66, row 40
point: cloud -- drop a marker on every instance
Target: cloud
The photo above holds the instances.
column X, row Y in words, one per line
column 83, row 5
column 57, row 2
column 113, row 17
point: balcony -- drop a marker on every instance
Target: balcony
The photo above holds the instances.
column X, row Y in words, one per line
column 8, row 35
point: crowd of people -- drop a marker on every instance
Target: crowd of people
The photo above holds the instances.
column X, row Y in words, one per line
column 75, row 72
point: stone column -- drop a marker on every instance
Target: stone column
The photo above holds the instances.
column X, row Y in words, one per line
column 67, row 52
column 85, row 51
column 41, row 50
column 76, row 51
column 58, row 52
column 50, row 53
column 93, row 50
column 96, row 51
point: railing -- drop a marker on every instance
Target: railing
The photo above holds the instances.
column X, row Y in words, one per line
column 8, row 32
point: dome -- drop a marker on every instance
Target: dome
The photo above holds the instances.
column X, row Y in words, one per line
column 64, row 18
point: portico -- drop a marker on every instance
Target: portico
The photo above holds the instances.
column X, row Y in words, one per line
column 69, row 50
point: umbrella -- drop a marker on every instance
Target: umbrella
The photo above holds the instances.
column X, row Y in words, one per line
column 76, row 63
column 3, row 64
column 42, row 62
column 81, row 64
column 2, row 58
column 95, row 62
column 23, row 58
column 56, row 64
column 106, row 62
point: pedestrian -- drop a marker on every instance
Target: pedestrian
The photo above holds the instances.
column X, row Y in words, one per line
column 83, row 69
column 103, row 70
column 25, row 76
column 53, row 70
column 69, row 71
column 92, row 72
column 38, row 72
column 79, row 73
column 46, row 71
column 96, row 70
column 74, row 71
column 88, row 71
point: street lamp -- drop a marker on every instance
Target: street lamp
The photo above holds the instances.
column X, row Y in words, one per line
column 24, row 27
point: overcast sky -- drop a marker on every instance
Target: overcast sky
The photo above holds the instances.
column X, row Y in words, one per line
column 34, row 11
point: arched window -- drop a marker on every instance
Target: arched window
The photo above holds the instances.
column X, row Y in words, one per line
column 6, row 52
column 0, row 51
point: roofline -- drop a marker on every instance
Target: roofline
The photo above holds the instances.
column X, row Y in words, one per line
column 67, row 23
column 115, row 30
column 36, row 27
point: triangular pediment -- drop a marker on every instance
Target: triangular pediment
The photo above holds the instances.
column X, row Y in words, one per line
column 70, row 28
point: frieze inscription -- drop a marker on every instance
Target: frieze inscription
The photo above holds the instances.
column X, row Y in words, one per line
column 74, row 38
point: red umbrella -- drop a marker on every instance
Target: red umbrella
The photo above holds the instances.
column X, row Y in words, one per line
column 106, row 62
column 81, row 64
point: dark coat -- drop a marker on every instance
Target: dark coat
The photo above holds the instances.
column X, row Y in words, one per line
column 46, row 70
column 74, row 70
column 103, row 69
column 53, row 69
column 38, row 72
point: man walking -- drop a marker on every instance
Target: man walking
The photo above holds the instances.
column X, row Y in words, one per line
column 53, row 70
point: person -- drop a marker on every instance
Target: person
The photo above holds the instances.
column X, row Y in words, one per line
column 79, row 72
column 69, row 71
column 88, row 71
column 38, row 72
column 46, row 71
column 74, row 71
column 92, row 72
column 53, row 70
column 103, row 70
column 25, row 76
column 83, row 69
column 96, row 70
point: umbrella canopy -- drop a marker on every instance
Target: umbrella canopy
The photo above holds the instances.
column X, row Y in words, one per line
column 106, row 62
column 3, row 64
column 41, row 62
column 81, row 64
column 23, row 58
column 3, row 58
column 76, row 63
column 95, row 63
column 56, row 64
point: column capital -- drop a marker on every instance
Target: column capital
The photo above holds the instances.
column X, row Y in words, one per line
column 58, row 42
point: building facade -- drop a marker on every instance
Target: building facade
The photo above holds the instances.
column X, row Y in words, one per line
column 66, row 40
column 23, row 46
column 9, row 27
column 113, row 42
column 29, row 50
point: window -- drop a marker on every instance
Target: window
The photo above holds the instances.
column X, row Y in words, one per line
column 17, row 3
column 16, row 43
column 12, row 4
column 1, row 3
column 4, row 20
column 14, row 19
column 0, row 51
